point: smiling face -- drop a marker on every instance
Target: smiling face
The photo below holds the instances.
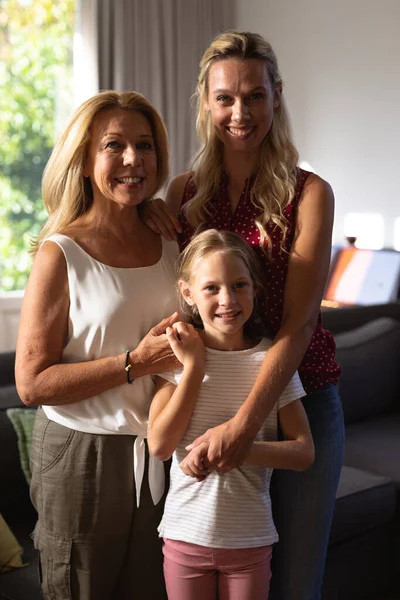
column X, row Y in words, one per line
column 121, row 159
column 241, row 102
column 223, row 292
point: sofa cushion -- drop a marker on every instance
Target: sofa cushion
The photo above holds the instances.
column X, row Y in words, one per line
column 375, row 446
column 23, row 420
column 9, row 397
column 10, row 550
column 7, row 360
column 370, row 361
column 14, row 489
column 22, row 584
column 363, row 501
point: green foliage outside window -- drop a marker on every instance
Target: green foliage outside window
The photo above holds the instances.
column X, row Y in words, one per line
column 36, row 38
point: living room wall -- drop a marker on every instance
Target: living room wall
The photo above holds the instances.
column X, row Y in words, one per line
column 339, row 62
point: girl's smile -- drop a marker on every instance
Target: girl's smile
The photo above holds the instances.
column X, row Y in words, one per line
column 223, row 292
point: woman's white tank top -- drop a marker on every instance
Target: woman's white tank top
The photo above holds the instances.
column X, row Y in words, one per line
column 111, row 310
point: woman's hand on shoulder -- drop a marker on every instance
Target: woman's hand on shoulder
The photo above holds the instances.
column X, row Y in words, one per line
column 159, row 218
column 162, row 217
column 187, row 345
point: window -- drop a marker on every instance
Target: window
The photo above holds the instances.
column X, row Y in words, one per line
column 36, row 52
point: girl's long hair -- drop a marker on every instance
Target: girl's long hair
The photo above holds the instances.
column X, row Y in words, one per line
column 66, row 193
column 275, row 180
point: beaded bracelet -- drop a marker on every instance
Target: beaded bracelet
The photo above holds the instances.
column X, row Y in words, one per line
column 128, row 367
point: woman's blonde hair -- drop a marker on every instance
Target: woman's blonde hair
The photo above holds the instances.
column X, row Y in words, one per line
column 66, row 193
column 211, row 241
column 275, row 181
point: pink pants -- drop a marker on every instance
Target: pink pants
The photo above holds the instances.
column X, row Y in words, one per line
column 195, row 572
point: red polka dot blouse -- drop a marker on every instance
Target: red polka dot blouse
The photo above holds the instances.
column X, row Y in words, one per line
column 318, row 367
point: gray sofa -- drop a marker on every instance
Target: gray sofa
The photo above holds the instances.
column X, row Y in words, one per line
column 362, row 563
column 15, row 504
column 364, row 553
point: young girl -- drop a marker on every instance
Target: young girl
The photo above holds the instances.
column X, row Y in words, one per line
column 217, row 528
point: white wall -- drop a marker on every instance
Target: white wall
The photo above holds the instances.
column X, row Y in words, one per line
column 340, row 63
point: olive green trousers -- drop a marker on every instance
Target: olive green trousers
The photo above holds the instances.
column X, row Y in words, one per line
column 94, row 542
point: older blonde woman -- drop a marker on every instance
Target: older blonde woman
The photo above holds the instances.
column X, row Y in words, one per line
column 92, row 332
column 246, row 180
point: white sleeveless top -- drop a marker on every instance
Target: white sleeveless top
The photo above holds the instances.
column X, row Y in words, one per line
column 111, row 310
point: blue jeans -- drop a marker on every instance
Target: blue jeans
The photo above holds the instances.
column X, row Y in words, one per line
column 303, row 504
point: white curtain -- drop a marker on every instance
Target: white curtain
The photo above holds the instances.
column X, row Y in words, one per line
column 152, row 47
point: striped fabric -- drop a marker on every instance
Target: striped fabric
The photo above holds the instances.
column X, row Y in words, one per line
column 231, row 510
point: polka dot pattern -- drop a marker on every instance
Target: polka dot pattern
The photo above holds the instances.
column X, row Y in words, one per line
column 318, row 367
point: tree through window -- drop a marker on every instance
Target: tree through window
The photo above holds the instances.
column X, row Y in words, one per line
column 36, row 52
